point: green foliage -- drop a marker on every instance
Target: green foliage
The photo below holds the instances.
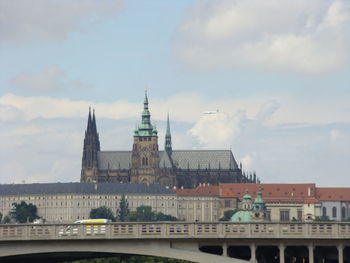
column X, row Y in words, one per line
column 164, row 217
column 131, row 259
column 144, row 213
column 102, row 212
column 123, row 210
column 25, row 212
column 6, row 220
column 227, row 215
column 322, row 219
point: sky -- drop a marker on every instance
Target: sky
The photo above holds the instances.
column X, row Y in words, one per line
column 276, row 71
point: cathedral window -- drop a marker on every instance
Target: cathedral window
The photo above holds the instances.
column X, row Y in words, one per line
column 144, row 161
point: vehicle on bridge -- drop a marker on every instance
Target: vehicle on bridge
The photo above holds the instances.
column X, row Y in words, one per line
column 92, row 226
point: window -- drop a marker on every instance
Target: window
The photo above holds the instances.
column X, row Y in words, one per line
column 324, row 211
column 300, row 214
column 284, row 215
column 268, row 214
column 227, row 203
column 343, row 212
column 334, row 211
column 144, row 161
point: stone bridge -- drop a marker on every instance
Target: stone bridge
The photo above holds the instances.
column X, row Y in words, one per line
column 197, row 242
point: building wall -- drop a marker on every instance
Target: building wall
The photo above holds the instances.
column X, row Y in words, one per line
column 68, row 208
column 296, row 211
column 198, row 208
column 328, row 206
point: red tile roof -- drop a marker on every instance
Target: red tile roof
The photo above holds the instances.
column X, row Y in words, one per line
column 276, row 192
column 207, row 190
column 333, row 193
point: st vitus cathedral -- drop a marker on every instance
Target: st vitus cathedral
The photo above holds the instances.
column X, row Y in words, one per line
column 147, row 164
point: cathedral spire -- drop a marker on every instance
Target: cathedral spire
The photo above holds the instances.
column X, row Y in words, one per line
column 94, row 128
column 90, row 149
column 146, row 129
column 146, row 116
column 168, row 146
column 89, row 124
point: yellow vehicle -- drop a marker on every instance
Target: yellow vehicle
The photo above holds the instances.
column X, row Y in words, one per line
column 92, row 221
column 94, row 226
column 91, row 227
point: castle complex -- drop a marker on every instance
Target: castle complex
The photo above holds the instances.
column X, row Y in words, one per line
column 145, row 163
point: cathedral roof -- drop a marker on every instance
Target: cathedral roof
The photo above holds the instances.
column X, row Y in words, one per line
column 165, row 160
column 116, row 159
column 182, row 159
column 204, row 159
column 83, row 188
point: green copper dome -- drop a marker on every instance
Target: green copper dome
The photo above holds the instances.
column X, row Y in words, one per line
column 247, row 198
column 259, row 203
column 241, row 216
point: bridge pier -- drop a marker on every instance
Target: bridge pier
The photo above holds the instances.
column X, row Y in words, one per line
column 253, row 253
column 224, row 249
column 311, row 253
column 340, row 253
column 281, row 248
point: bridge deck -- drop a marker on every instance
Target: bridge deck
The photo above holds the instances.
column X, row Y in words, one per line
column 176, row 230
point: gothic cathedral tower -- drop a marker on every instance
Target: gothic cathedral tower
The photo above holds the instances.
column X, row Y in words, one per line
column 145, row 154
column 89, row 169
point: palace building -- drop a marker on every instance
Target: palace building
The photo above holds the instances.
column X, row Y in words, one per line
column 145, row 163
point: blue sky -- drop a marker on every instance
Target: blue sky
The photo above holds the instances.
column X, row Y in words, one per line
column 277, row 71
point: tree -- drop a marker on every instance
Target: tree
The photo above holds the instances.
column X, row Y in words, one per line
column 227, row 215
column 25, row 212
column 6, row 220
column 102, row 212
column 164, row 217
column 144, row 213
column 123, row 210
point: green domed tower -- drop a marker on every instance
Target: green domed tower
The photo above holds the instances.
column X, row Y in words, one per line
column 250, row 211
column 145, row 153
column 259, row 208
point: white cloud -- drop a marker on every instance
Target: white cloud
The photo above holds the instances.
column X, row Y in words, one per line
column 187, row 107
column 49, row 79
column 218, row 130
column 22, row 20
column 43, row 143
column 302, row 36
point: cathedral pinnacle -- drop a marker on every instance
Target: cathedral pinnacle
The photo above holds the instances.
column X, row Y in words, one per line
column 146, row 128
column 168, row 146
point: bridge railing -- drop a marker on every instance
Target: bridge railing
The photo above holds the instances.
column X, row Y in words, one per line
column 173, row 230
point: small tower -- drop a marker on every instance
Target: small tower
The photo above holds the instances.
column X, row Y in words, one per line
column 145, row 154
column 259, row 208
column 168, row 147
column 89, row 168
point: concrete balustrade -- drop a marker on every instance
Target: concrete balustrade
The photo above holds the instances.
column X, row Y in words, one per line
column 314, row 239
column 177, row 230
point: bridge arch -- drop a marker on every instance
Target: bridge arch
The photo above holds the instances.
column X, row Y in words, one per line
column 12, row 251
